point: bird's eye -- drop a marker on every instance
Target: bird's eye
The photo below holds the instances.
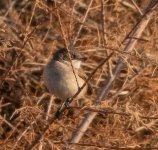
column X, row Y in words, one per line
column 74, row 57
column 61, row 57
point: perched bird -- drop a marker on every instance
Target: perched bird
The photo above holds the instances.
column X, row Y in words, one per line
column 59, row 77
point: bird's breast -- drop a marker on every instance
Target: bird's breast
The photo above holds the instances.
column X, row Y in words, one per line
column 60, row 80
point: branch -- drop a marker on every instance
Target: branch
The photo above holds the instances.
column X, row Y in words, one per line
column 136, row 32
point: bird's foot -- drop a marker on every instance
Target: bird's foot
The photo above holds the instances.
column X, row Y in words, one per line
column 67, row 102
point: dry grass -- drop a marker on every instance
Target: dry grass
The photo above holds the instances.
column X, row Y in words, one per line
column 30, row 31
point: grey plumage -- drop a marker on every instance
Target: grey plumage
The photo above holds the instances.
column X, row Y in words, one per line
column 59, row 77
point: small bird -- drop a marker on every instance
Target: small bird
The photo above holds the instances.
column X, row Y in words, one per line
column 59, row 77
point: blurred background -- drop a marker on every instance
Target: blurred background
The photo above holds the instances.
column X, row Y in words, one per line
column 30, row 32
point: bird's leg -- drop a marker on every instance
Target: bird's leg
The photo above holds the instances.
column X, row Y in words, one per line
column 65, row 105
column 67, row 102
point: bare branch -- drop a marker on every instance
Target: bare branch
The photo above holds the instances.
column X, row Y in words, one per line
column 136, row 32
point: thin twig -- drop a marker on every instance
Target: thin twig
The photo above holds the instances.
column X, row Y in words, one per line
column 16, row 58
column 104, row 111
column 8, row 123
column 137, row 7
column 47, row 117
column 104, row 35
column 25, row 131
column 81, row 26
column 67, row 48
column 131, row 81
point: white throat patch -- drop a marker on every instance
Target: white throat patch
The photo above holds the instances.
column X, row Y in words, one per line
column 76, row 63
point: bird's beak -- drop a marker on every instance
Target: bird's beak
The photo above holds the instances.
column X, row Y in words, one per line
column 83, row 59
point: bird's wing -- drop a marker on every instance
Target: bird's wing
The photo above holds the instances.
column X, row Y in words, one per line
column 83, row 75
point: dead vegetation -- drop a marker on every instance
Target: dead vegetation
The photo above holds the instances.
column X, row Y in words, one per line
column 30, row 31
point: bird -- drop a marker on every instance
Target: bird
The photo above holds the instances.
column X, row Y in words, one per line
column 59, row 77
